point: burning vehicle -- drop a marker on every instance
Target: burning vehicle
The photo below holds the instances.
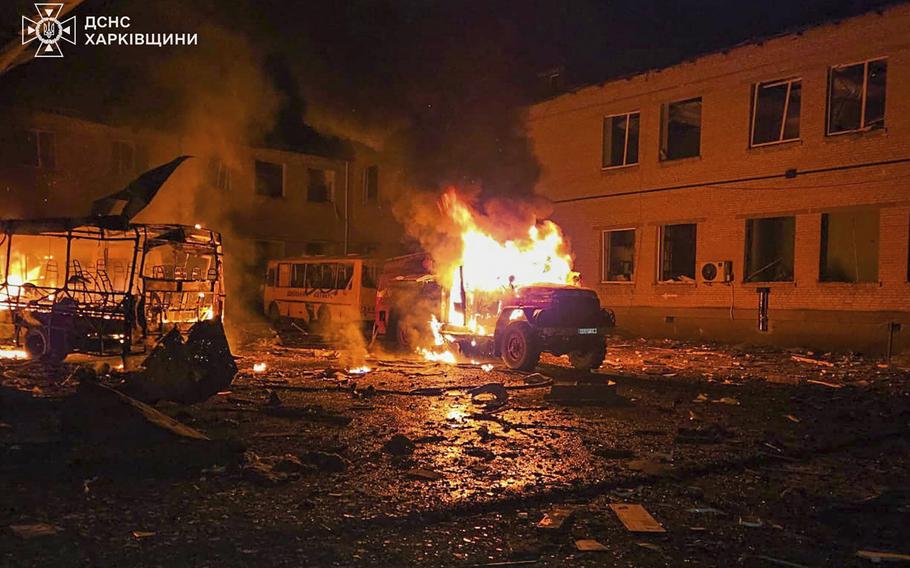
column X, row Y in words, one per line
column 512, row 298
column 102, row 284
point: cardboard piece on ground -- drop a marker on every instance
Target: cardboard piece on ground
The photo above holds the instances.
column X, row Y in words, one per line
column 636, row 518
column 589, row 545
column 555, row 518
column 877, row 556
column 35, row 530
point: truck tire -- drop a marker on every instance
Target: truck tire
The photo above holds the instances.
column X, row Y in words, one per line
column 590, row 359
column 519, row 347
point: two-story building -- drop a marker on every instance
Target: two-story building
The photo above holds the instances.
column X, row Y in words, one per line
column 760, row 194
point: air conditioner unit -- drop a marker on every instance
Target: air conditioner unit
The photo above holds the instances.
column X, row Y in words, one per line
column 716, row 271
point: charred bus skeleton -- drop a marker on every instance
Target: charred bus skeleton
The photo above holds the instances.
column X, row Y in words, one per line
column 100, row 286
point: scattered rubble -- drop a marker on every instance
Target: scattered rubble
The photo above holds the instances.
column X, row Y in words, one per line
column 185, row 372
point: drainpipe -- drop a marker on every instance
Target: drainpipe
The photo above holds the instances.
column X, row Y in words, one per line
column 347, row 206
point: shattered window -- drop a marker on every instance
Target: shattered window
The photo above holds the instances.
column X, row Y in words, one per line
column 677, row 253
column 321, row 187
column 269, row 179
column 856, row 96
column 371, row 184
column 618, row 255
column 775, row 111
column 849, row 246
column 681, row 129
column 620, row 140
column 298, row 276
column 769, row 249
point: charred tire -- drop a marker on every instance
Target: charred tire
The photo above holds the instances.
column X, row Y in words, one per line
column 274, row 313
column 519, row 347
column 590, row 359
column 44, row 347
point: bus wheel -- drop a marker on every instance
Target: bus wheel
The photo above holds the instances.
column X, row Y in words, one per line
column 275, row 317
column 41, row 346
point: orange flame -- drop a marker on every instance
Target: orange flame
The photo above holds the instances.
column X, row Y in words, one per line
column 487, row 268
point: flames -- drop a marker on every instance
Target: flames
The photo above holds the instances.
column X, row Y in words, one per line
column 486, row 268
column 19, row 275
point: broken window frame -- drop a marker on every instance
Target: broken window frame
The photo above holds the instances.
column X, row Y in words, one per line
column 756, row 98
column 607, row 131
column 864, row 94
column 606, row 275
column 826, row 272
column 665, row 111
column 749, row 276
column 662, row 273
column 258, row 187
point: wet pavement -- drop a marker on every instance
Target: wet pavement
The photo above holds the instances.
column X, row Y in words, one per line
column 745, row 457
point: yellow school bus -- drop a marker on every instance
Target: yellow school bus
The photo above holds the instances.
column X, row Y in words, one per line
column 315, row 292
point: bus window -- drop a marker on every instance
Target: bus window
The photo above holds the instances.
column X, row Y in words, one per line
column 298, row 278
column 270, row 277
column 284, row 275
column 321, row 276
column 345, row 276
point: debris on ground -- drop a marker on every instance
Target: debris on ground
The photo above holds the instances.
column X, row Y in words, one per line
column 703, row 434
column 399, row 445
column 490, row 395
column 811, row 361
column 185, row 372
column 424, row 474
column 878, row 556
column 600, row 392
column 555, row 518
column 636, row 518
column 101, row 413
column 34, row 530
column 589, row 545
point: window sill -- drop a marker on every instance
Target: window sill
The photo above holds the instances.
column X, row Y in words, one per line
column 608, row 169
column 675, row 161
column 837, row 284
column 772, row 284
column 675, row 283
column 860, row 132
column 778, row 144
column 615, row 282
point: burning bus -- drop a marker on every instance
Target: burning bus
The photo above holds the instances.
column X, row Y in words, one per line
column 102, row 284
column 70, row 285
column 512, row 298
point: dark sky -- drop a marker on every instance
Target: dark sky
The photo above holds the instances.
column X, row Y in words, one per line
column 438, row 80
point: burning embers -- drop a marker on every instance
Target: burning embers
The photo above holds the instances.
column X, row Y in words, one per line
column 488, row 268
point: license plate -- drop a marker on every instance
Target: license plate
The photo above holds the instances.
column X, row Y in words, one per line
column 587, row 331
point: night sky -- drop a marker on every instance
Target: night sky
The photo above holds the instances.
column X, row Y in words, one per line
column 437, row 81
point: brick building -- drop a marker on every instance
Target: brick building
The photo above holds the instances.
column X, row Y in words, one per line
column 760, row 194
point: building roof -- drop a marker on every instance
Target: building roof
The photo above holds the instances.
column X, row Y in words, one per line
column 881, row 7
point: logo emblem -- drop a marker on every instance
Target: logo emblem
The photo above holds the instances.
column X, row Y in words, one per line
column 48, row 30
